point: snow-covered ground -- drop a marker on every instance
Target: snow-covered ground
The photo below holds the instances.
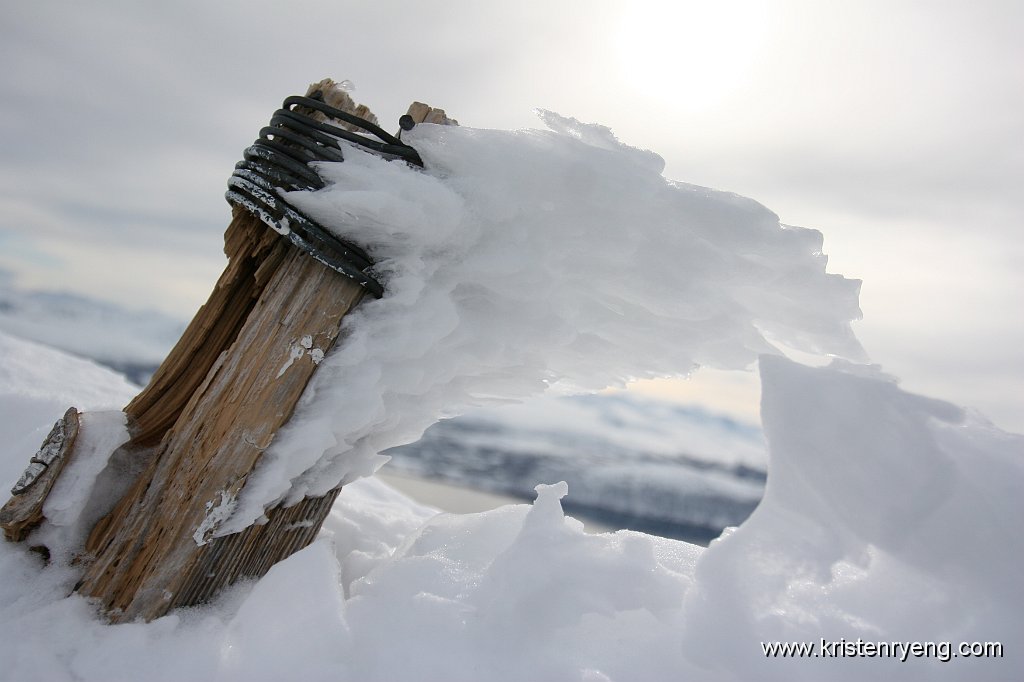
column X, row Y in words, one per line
column 887, row 538
column 888, row 517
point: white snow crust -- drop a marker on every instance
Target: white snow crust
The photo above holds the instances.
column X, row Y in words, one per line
column 526, row 260
column 887, row 516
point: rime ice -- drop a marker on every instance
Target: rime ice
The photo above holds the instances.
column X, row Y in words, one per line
column 523, row 261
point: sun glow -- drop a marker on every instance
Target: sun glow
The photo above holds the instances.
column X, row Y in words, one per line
column 690, row 54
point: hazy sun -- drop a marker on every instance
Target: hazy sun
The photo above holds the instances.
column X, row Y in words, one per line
column 690, row 53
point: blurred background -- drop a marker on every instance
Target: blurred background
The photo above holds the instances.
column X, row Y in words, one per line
column 896, row 128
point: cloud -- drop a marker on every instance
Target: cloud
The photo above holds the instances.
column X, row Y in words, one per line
column 885, row 125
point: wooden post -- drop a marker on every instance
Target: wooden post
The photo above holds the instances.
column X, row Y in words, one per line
column 205, row 419
column 152, row 552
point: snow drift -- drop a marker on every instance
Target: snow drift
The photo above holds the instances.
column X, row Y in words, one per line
column 888, row 517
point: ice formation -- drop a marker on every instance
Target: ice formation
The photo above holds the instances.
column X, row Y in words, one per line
column 526, row 260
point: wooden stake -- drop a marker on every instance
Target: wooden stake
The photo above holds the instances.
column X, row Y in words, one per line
column 206, row 417
column 211, row 410
column 147, row 552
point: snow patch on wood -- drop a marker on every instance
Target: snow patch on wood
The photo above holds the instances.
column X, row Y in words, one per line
column 304, row 346
column 216, row 513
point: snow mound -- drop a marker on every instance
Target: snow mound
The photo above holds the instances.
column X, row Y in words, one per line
column 37, row 385
column 888, row 518
column 527, row 260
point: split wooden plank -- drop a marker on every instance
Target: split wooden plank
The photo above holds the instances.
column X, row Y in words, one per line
column 253, row 251
column 24, row 511
column 424, row 113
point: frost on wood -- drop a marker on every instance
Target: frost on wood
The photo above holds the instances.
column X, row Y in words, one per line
column 24, row 511
column 298, row 350
column 216, row 512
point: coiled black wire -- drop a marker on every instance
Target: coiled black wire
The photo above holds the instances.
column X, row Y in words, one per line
column 279, row 160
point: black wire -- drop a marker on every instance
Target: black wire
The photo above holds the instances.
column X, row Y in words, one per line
column 279, row 161
column 320, row 105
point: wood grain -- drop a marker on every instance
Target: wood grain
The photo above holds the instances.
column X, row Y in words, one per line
column 204, row 421
column 145, row 561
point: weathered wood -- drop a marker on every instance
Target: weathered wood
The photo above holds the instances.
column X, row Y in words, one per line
column 424, row 113
column 253, row 251
column 335, row 95
column 24, row 511
column 253, row 551
column 205, row 419
column 217, row 401
column 144, row 562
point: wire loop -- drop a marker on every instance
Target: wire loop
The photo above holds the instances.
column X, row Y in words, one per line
column 279, row 161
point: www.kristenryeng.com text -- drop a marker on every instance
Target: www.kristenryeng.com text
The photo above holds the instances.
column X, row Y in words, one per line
column 860, row 648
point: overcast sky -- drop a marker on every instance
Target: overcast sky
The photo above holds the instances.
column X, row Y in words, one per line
column 896, row 128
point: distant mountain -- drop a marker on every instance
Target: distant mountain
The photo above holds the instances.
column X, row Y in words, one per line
column 630, row 462
column 133, row 342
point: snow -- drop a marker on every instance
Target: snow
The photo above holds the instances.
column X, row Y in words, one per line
column 38, row 384
column 89, row 485
column 523, row 261
column 216, row 513
column 887, row 517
